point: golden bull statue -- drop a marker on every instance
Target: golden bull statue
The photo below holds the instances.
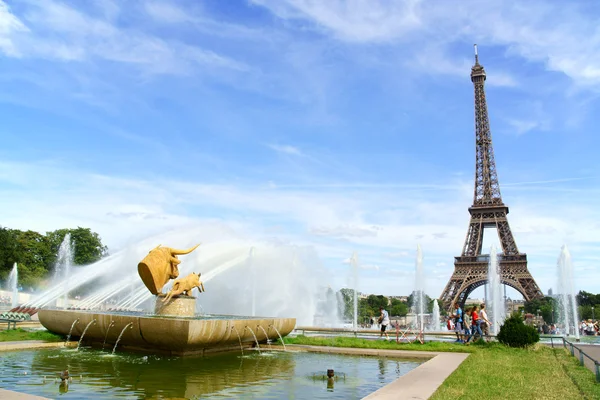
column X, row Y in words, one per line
column 185, row 285
column 161, row 265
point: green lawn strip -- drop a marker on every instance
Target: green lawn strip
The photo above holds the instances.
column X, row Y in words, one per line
column 13, row 335
column 499, row 372
column 582, row 377
column 492, row 371
column 379, row 344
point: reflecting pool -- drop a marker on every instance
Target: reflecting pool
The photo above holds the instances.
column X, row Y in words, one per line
column 267, row 375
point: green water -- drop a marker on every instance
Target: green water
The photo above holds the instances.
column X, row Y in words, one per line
column 270, row 375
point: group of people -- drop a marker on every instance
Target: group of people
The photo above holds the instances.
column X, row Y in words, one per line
column 470, row 324
column 589, row 328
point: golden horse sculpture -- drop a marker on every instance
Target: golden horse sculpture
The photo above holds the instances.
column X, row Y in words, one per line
column 161, row 265
column 185, row 286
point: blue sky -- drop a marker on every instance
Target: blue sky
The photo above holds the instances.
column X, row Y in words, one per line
column 347, row 126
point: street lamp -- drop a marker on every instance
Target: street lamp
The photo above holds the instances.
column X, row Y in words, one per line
column 539, row 315
column 593, row 319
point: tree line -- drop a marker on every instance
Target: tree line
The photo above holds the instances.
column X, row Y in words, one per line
column 369, row 307
column 549, row 309
column 36, row 254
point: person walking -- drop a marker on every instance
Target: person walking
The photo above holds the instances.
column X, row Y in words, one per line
column 384, row 320
column 476, row 322
column 458, row 320
column 485, row 322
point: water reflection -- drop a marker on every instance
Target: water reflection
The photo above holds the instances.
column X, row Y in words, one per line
column 94, row 374
column 152, row 376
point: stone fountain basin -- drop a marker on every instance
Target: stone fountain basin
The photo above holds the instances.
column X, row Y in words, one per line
column 166, row 335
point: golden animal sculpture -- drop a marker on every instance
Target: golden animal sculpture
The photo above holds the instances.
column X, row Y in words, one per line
column 161, row 265
column 185, row 286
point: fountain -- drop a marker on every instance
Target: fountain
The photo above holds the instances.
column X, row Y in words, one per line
column 354, row 262
column 418, row 304
column 566, row 294
column 71, row 331
column 13, row 285
column 84, row 331
column 435, row 317
column 239, row 338
column 63, row 267
column 266, row 335
column 279, row 334
column 496, row 306
column 254, row 336
column 173, row 328
column 130, row 326
column 112, row 323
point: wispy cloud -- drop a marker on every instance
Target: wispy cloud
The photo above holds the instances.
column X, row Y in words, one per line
column 286, row 149
column 54, row 30
column 334, row 223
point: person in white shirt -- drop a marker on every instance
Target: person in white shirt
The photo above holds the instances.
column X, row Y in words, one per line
column 384, row 320
column 486, row 325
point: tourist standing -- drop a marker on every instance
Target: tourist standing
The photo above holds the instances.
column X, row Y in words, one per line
column 458, row 320
column 485, row 322
column 384, row 320
column 467, row 325
column 476, row 322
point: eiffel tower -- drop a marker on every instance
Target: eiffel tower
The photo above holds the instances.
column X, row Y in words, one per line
column 488, row 210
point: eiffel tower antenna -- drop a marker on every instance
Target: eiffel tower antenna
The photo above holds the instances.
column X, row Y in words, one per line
column 488, row 210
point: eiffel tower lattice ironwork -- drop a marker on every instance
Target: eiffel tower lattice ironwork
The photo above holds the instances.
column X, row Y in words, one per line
column 488, row 210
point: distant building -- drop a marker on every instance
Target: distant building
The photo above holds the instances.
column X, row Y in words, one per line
column 550, row 292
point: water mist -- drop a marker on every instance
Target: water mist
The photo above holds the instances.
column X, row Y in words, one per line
column 568, row 317
column 497, row 307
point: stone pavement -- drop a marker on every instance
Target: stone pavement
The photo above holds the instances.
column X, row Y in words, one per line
column 10, row 395
column 28, row 344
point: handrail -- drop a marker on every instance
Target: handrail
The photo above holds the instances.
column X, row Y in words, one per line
column 581, row 355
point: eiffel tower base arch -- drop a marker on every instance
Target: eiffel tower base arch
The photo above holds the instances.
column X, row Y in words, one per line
column 472, row 272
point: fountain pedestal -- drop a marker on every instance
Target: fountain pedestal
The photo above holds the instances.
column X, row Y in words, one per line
column 177, row 306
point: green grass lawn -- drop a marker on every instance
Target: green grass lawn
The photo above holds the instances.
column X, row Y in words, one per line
column 13, row 335
column 494, row 371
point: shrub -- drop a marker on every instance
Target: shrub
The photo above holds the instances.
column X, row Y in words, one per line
column 515, row 333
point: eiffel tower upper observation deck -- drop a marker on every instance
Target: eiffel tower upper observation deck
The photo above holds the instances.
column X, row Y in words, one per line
column 488, row 210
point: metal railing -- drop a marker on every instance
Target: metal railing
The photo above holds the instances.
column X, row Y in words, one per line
column 581, row 354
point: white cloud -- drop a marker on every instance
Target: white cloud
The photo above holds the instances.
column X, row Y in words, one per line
column 48, row 197
column 561, row 36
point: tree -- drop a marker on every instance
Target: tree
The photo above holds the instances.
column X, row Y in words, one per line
column 398, row 308
column 8, row 251
column 348, row 296
column 546, row 306
column 33, row 256
column 428, row 307
column 87, row 245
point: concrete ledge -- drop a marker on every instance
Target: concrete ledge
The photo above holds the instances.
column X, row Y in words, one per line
column 361, row 352
column 30, row 344
column 10, row 395
column 423, row 381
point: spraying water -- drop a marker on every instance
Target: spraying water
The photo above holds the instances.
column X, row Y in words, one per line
column 497, row 307
column 222, row 259
column 253, row 273
column 13, row 285
column 354, row 262
column 566, row 294
column 63, row 266
column 418, row 305
column 435, row 317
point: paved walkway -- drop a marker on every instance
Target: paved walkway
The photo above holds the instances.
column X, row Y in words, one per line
column 10, row 395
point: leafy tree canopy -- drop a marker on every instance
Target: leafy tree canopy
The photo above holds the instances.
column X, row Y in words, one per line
column 36, row 253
